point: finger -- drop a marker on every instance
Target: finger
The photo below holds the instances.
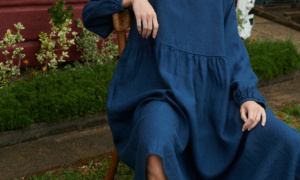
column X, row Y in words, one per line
column 243, row 114
column 145, row 24
column 250, row 119
column 264, row 118
column 150, row 25
column 155, row 27
column 256, row 121
column 138, row 23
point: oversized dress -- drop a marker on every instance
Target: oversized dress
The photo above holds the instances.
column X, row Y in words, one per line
column 179, row 96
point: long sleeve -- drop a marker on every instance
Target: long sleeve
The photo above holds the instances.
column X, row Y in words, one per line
column 243, row 79
column 97, row 15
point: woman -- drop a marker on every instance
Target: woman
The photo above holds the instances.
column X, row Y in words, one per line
column 183, row 102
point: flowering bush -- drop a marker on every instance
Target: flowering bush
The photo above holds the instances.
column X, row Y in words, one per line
column 10, row 41
column 57, row 40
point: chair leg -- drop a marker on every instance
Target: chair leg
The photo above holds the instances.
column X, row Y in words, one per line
column 113, row 165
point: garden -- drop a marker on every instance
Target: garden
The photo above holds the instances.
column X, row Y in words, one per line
column 58, row 89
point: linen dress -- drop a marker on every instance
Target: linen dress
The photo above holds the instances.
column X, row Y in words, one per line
column 179, row 96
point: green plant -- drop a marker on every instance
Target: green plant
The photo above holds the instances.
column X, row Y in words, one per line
column 290, row 114
column 240, row 19
column 87, row 42
column 58, row 15
column 10, row 41
column 292, row 109
column 57, row 40
column 271, row 59
column 60, row 94
column 109, row 51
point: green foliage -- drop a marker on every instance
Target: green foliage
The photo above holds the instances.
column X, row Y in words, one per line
column 10, row 41
column 240, row 19
column 290, row 114
column 292, row 109
column 109, row 51
column 57, row 41
column 271, row 59
column 87, row 42
column 59, row 15
column 49, row 98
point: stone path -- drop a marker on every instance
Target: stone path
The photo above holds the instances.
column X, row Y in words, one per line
column 54, row 152
column 282, row 93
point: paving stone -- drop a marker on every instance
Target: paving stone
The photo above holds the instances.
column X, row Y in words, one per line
column 55, row 151
column 92, row 142
column 37, row 155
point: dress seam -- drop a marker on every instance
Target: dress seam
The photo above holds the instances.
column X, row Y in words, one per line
column 185, row 51
column 174, row 47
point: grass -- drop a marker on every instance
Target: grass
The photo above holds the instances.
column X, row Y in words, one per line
column 271, row 59
column 92, row 170
column 290, row 114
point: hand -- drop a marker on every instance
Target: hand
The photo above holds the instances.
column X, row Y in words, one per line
column 145, row 14
column 254, row 112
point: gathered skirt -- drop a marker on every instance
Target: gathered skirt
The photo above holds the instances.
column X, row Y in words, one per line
column 180, row 106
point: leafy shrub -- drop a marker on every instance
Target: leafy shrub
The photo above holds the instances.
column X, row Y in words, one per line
column 271, row 59
column 57, row 40
column 86, row 42
column 58, row 15
column 10, row 42
column 49, row 98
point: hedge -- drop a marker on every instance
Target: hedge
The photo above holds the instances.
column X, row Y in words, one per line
column 73, row 93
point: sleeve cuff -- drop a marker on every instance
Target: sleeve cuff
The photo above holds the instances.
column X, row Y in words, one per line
column 260, row 101
column 119, row 5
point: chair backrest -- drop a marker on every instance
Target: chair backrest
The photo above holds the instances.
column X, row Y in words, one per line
column 121, row 22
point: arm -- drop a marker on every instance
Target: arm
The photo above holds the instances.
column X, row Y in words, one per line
column 243, row 79
column 97, row 15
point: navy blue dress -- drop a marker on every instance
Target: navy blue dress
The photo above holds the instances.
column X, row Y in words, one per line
column 179, row 96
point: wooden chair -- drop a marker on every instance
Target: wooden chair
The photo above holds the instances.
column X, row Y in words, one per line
column 121, row 21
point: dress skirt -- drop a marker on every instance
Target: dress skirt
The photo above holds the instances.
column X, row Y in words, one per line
column 180, row 106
